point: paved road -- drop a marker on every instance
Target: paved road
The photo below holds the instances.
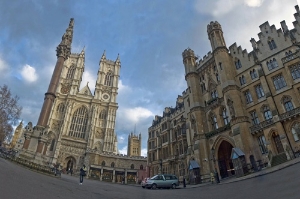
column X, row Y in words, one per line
column 19, row 183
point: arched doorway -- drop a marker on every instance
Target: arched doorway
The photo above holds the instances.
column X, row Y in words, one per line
column 224, row 160
column 277, row 142
column 71, row 164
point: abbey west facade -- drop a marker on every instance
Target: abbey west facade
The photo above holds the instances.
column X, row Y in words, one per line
column 237, row 104
column 77, row 127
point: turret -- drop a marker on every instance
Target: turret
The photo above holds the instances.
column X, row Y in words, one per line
column 215, row 35
column 189, row 60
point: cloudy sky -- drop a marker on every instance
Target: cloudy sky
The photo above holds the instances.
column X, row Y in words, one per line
column 149, row 36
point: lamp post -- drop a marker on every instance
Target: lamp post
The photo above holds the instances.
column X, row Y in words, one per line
column 214, row 165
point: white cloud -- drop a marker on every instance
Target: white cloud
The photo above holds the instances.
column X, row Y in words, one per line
column 136, row 114
column 216, row 8
column 123, row 88
column 88, row 77
column 144, row 152
column 3, row 65
column 254, row 3
column 28, row 73
column 123, row 150
column 121, row 139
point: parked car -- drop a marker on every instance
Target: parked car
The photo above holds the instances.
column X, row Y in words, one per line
column 144, row 181
column 162, row 181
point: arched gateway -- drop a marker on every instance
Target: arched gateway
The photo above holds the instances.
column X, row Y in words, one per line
column 224, row 159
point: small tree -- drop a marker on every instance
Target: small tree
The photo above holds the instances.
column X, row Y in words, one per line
column 10, row 112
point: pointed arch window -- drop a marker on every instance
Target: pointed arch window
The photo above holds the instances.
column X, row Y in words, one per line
column 287, row 101
column 253, row 74
column 79, row 123
column 267, row 113
column 272, row 64
column 248, row 96
column 103, row 163
column 108, row 79
column 254, row 118
column 71, row 72
column 259, row 91
column 238, row 64
column 214, row 123
column 225, row 116
column 132, row 166
column 242, row 80
column 272, row 44
column 279, row 82
column 295, row 71
column 214, row 94
column 112, row 164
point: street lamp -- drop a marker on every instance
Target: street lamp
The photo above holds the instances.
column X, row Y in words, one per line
column 214, row 166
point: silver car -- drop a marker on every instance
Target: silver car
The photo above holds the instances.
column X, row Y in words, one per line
column 162, row 181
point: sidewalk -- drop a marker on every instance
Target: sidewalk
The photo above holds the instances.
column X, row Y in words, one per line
column 253, row 175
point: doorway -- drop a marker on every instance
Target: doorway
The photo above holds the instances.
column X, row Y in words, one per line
column 277, row 142
column 224, row 159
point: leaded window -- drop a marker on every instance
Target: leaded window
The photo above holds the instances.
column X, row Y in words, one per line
column 71, row 72
column 79, row 123
column 214, row 123
column 254, row 118
column 253, row 74
column 272, row 64
column 108, row 79
column 225, row 116
column 214, row 94
column 259, row 91
column 272, row 44
column 295, row 71
column 288, row 106
column 267, row 113
column 248, row 97
column 279, row 82
column 242, row 80
column 238, row 64
column 262, row 144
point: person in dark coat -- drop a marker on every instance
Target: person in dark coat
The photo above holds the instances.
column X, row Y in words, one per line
column 184, row 183
column 82, row 173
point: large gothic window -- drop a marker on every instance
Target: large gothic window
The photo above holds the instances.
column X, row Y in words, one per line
column 108, row 79
column 79, row 123
column 71, row 72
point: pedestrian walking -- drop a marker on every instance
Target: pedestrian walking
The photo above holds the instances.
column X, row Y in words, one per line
column 184, row 183
column 82, row 173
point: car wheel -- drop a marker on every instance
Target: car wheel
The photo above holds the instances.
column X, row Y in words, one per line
column 154, row 186
column 173, row 186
